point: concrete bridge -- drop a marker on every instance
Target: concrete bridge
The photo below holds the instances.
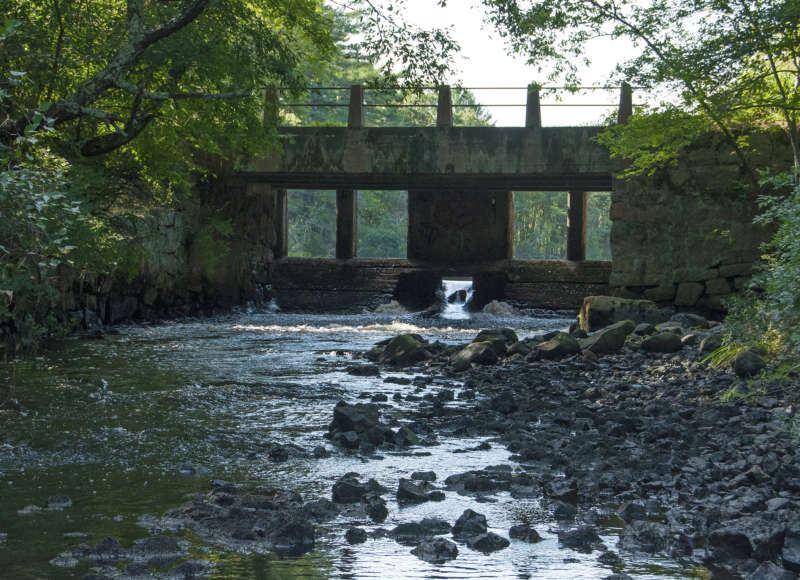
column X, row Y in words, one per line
column 460, row 183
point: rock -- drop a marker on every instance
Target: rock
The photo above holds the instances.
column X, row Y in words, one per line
column 364, row 370
column 469, row 525
column 59, row 502
column 412, row 533
column 631, row 512
column 107, row 549
column 405, row 437
column 689, row 293
column 563, row 511
column 320, row 452
column 617, row 577
column 689, row 320
column 292, row 538
column 409, row 492
column 476, row 352
column 404, row 350
column 278, row 454
column 375, row 507
column 601, row 311
column 525, row 533
column 348, row 489
column 487, row 543
column 320, row 510
column 770, row 571
column 790, row 552
column 647, row 537
column 644, row 329
column 747, row 537
column 436, row 551
column 748, row 363
column 356, row 425
column 423, row 476
column 583, row 538
column 355, row 536
column 457, row 296
column 501, row 338
column 662, row 342
column 560, row 346
column 565, row 490
column 608, row 340
column 710, row 343
column 500, row 309
column 609, row 558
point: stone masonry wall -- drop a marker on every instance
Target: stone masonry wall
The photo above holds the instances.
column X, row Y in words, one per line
column 685, row 234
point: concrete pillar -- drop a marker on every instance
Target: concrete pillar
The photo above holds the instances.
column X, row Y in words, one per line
column 271, row 106
column 625, row 104
column 576, row 225
column 346, row 224
column 281, row 223
column 444, row 110
column 355, row 117
column 533, row 108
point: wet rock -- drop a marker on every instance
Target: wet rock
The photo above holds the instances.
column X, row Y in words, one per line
column 689, row 320
column 584, row 538
column 412, row 533
column 423, row 476
column 278, row 454
column 363, row 370
column 356, row 425
column 565, row 490
column 644, row 329
column 405, row 437
column 618, row 577
column 505, row 335
column 404, row 350
column 477, row 352
column 409, row 492
column 348, row 489
column 747, row 363
column 770, row 571
column 563, row 511
column 559, row 346
column 609, row 558
column 747, row 537
column 107, row 549
column 355, row 536
column 470, row 524
column 662, row 342
column 320, row 510
column 379, row 398
column 647, row 537
column 525, row 533
column 320, row 452
column 790, row 553
column 292, row 538
column 601, row 311
column 608, row 340
column 631, row 512
column 488, row 542
column 375, row 507
column 436, row 551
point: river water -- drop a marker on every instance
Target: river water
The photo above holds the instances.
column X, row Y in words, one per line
column 127, row 426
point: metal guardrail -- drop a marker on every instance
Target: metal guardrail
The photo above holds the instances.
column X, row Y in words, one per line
column 357, row 102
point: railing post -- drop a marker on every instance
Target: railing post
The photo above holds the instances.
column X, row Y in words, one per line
column 533, row 108
column 576, row 226
column 355, row 117
column 271, row 106
column 625, row 104
column 444, row 109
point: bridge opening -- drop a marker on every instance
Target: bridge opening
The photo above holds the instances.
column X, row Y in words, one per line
column 311, row 223
column 382, row 224
column 557, row 225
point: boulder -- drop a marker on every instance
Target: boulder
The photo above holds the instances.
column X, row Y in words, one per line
column 748, row 363
column 689, row 320
column 710, row 343
column 476, row 352
column 662, row 342
column 404, row 350
column 771, row 571
column 469, row 525
column 502, row 338
column 487, row 543
column 609, row 339
column 601, row 311
column 348, row 489
column 747, row 537
column 436, row 551
column 583, row 538
column 355, row 536
column 790, row 553
column 292, row 538
column 375, row 507
column 648, row 537
column 525, row 533
column 559, row 346
column 410, row 492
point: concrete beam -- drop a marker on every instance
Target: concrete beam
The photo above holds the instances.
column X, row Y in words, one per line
column 576, row 226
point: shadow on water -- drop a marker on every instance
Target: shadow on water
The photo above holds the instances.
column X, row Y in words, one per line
column 130, row 425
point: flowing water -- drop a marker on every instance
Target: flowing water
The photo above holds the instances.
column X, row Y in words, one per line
column 128, row 425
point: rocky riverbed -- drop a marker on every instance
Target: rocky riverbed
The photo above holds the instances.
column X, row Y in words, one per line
column 623, row 444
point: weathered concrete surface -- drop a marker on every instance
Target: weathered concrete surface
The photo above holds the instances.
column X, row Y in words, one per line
column 460, row 226
column 490, row 158
column 337, row 285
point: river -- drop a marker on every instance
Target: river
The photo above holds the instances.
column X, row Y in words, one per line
column 126, row 426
